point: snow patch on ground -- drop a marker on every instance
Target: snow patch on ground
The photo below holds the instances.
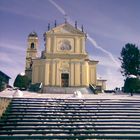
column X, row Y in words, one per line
column 26, row 94
column 77, row 94
column 18, row 93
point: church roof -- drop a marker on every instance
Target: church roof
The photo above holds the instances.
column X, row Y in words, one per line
column 66, row 28
column 4, row 75
column 33, row 34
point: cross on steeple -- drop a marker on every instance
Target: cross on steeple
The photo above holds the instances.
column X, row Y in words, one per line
column 65, row 18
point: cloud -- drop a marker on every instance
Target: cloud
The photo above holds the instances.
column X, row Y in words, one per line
column 109, row 71
column 10, row 52
column 112, row 75
column 114, row 78
column 12, row 59
column 104, row 61
column 5, row 58
column 12, row 46
column 114, row 29
column 16, row 7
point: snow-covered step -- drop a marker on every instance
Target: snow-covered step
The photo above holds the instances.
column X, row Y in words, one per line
column 71, row 118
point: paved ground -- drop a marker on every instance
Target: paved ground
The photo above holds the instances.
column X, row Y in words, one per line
column 26, row 94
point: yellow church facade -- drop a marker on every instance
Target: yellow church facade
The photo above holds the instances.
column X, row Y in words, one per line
column 64, row 61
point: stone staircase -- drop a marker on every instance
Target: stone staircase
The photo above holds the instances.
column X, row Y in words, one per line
column 44, row 118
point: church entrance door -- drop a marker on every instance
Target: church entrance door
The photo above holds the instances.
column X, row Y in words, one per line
column 65, row 79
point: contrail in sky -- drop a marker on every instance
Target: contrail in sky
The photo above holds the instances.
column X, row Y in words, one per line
column 93, row 41
column 58, row 7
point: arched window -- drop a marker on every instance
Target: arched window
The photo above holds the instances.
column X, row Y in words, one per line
column 32, row 45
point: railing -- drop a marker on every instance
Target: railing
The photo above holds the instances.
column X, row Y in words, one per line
column 92, row 88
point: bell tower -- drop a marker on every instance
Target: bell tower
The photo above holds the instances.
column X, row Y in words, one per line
column 31, row 53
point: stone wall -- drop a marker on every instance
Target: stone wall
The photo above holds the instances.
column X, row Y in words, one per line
column 4, row 102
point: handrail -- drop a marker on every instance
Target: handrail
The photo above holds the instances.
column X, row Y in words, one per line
column 92, row 88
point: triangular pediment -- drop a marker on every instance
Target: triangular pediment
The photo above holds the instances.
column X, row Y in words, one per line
column 65, row 29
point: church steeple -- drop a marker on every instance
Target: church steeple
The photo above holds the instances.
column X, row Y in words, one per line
column 31, row 52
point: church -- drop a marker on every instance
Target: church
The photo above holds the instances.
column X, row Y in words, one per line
column 64, row 61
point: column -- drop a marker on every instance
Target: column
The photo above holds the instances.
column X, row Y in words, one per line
column 54, row 44
column 72, row 74
column 77, row 45
column 47, row 73
column 83, row 44
column 58, row 74
column 48, row 46
column 81, row 74
column 77, row 74
column 35, row 74
column 53, row 73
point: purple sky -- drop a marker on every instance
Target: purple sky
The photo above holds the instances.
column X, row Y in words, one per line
column 111, row 23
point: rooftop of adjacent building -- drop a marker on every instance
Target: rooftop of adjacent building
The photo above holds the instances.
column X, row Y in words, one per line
column 5, row 75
